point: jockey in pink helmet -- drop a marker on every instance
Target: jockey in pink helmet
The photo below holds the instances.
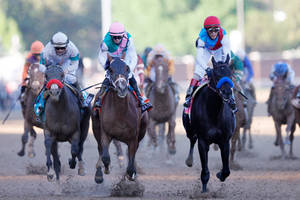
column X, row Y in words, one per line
column 212, row 41
column 119, row 43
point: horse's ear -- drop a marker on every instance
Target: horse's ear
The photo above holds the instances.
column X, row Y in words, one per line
column 227, row 59
column 213, row 61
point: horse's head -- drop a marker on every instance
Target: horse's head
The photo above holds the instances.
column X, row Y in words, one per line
column 54, row 77
column 119, row 72
column 221, row 78
column 282, row 93
column 160, row 65
column 37, row 78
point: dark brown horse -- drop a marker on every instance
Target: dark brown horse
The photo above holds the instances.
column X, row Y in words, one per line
column 282, row 113
column 36, row 83
column 162, row 95
column 120, row 118
column 64, row 122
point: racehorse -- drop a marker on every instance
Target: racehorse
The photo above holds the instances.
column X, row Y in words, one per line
column 36, row 83
column 64, row 121
column 120, row 118
column 162, row 96
column 212, row 120
column 282, row 112
column 251, row 103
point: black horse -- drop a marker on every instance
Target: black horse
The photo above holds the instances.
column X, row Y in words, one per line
column 212, row 120
column 63, row 122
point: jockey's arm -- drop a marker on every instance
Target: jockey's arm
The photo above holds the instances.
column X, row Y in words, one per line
column 226, row 47
column 247, row 64
column 102, row 55
column 171, row 68
column 201, row 61
column 131, row 56
column 25, row 72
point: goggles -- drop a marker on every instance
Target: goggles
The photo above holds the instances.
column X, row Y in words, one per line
column 117, row 37
column 60, row 48
column 213, row 29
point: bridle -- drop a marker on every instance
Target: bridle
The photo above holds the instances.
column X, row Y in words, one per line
column 217, row 84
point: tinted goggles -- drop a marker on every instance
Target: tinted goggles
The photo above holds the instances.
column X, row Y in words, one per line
column 117, row 37
column 213, row 29
column 60, row 48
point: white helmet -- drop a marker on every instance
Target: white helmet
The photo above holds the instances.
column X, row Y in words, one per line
column 59, row 39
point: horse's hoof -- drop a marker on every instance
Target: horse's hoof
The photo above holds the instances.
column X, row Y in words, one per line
column 50, row 177
column 31, row 154
column 189, row 162
column 81, row 172
column 221, row 176
column 21, row 153
column 99, row 176
column 276, row 143
column 106, row 170
column 172, row 151
column 131, row 178
column 72, row 163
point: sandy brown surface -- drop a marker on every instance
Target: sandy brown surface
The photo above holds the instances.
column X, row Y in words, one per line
column 163, row 177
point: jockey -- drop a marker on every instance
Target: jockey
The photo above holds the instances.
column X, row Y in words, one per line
column 61, row 51
column 284, row 70
column 280, row 69
column 119, row 43
column 212, row 41
column 159, row 49
column 248, row 71
column 145, row 54
column 32, row 57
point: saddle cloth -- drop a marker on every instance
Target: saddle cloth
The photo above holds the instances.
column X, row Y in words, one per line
column 199, row 86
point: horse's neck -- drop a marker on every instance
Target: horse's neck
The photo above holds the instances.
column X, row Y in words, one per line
column 117, row 103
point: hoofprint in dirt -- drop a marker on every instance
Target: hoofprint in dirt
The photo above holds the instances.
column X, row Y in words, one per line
column 262, row 176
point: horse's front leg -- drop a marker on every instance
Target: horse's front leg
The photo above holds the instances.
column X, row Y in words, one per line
column 24, row 138
column 105, row 142
column 31, row 152
column 171, row 136
column 151, row 133
column 131, row 170
column 74, row 149
column 279, row 138
column 225, row 172
column 203, row 148
column 48, row 145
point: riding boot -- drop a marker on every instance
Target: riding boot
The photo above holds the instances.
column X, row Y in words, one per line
column 268, row 102
column 39, row 104
column 84, row 102
column 144, row 103
column 103, row 89
column 189, row 92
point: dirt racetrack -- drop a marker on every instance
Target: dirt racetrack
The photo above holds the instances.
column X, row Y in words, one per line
column 163, row 177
